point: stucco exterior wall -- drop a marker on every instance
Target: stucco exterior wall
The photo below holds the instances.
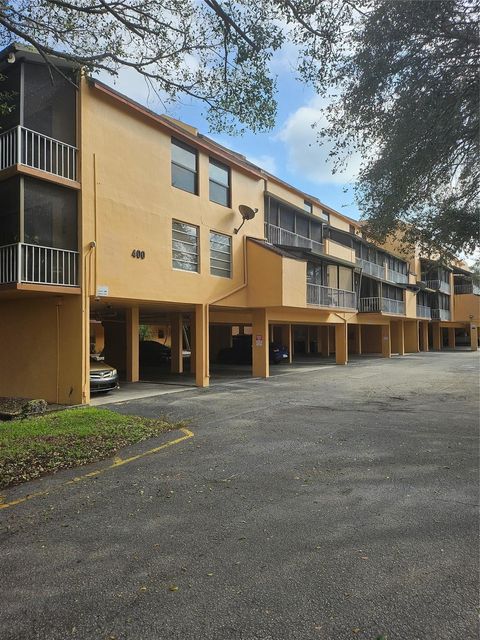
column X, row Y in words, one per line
column 128, row 203
column 41, row 349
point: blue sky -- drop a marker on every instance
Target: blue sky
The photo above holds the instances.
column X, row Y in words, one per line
column 291, row 151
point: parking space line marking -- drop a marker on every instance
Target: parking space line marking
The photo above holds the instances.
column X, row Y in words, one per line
column 117, row 462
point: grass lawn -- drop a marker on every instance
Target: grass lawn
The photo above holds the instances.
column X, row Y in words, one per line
column 44, row 444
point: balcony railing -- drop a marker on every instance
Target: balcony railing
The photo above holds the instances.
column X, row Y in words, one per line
column 423, row 312
column 386, row 305
column 277, row 235
column 24, row 146
column 321, row 296
column 371, row 269
column 438, row 285
column 440, row 314
column 396, row 276
column 32, row 264
column 467, row 288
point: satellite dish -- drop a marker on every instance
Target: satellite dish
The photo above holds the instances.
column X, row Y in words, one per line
column 247, row 213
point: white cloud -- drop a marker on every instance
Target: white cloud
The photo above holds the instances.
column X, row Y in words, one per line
column 264, row 161
column 306, row 155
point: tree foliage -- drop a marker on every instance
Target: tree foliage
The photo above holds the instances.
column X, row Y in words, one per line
column 218, row 52
column 409, row 101
column 404, row 76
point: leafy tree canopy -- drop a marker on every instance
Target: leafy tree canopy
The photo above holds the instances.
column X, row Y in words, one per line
column 404, row 76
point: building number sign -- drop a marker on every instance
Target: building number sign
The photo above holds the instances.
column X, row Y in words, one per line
column 140, row 255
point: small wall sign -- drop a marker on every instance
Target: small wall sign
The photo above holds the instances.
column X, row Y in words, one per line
column 102, row 291
column 139, row 254
column 259, row 340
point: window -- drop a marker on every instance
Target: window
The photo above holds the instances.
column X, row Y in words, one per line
column 219, row 175
column 184, row 246
column 316, row 231
column 220, row 255
column 391, row 292
column 184, row 167
column 302, row 226
column 324, row 216
column 315, row 273
column 308, row 206
column 287, row 219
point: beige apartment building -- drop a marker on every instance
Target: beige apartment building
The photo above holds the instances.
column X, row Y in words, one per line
column 114, row 219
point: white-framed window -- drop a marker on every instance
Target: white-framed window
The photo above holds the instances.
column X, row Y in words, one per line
column 220, row 255
column 308, row 206
column 324, row 215
column 185, row 246
column 219, row 183
column 184, row 167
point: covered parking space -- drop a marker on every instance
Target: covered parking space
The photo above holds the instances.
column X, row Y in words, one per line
column 151, row 343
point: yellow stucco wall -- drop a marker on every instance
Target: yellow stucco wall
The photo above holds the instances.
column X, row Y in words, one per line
column 128, row 203
column 41, row 348
column 466, row 308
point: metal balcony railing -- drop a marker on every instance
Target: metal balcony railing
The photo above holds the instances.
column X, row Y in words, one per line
column 371, row 269
column 438, row 285
column 24, row 146
column 440, row 314
column 396, row 276
column 33, row 264
column 467, row 288
column 321, row 296
column 386, row 305
column 277, row 235
column 423, row 312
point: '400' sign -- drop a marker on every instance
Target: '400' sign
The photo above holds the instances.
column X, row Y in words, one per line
column 138, row 254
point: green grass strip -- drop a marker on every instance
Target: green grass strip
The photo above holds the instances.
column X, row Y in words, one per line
column 44, row 444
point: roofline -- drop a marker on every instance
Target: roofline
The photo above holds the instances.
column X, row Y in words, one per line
column 167, row 124
column 23, row 52
column 309, row 197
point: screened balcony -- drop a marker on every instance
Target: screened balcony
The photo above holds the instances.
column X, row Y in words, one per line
column 424, row 312
column 466, row 288
column 385, row 305
column 396, row 276
column 320, row 296
column 277, row 235
column 31, row 149
column 440, row 314
column 33, row 264
column 371, row 268
column 438, row 285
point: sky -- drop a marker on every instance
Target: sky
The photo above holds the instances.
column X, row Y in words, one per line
column 290, row 151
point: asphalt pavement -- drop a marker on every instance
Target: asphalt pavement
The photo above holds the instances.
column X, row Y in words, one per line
column 329, row 504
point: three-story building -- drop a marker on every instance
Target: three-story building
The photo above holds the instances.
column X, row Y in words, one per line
column 113, row 218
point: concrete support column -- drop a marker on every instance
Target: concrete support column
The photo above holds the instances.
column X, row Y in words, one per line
column 287, row 339
column 424, row 331
column 411, row 336
column 386, row 341
column 473, row 337
column 177, row 342
column 260, row 361
column 307, row 338
column 200, row 344
column 325, row 341
column 341, row 343
column 132, row 350
column 437, row 337
column 451, row 337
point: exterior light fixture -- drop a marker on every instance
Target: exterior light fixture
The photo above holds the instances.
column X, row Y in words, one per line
column 247, row 214
column 11, row 57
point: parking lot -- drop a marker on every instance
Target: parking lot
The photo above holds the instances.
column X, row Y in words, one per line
column 323, row 503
